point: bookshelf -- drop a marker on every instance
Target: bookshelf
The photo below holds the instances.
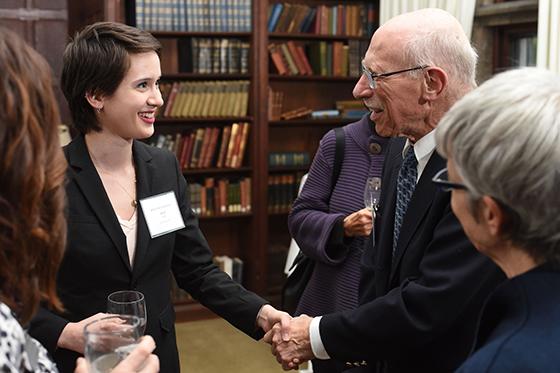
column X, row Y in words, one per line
column 258, row 236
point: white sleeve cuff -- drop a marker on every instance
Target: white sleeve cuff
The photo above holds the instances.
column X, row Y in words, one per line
column 315, row 339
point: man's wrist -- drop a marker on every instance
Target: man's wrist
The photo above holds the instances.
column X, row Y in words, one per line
column 315, row 340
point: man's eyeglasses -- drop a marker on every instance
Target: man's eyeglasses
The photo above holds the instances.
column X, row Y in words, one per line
column 441, row 179
column 371, row 77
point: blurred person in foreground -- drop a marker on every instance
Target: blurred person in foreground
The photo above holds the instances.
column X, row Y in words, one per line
column 423, row 284
column 501, row 142
column 32, row 223
column 110, row 79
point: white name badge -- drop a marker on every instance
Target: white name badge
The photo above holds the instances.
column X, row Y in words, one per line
column 162, row 214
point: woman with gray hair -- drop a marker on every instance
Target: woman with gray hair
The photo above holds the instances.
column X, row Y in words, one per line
column 503, row 168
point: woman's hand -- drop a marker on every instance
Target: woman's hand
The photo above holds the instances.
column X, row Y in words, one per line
column 359, row 223
column 72, row 336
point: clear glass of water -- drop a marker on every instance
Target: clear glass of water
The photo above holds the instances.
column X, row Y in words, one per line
column 109, row 340
column 128, row 302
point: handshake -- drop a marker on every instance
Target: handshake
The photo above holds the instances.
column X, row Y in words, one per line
column 289, row 337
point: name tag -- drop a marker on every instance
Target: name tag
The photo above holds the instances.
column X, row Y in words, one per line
column 162, row 214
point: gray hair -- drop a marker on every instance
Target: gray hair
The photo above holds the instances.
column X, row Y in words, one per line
column 504, row 139
column 441, row 41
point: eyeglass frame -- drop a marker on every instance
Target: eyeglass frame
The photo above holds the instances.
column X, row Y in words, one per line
column 371, row 77
column 446, row 185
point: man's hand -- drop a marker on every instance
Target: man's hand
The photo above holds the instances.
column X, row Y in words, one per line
column 359, row 223
column 140, row 359
column 269, row 316
column 72, row 336
column 297, row 349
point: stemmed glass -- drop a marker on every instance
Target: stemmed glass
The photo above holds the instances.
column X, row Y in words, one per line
column 372, row 194
column 109, row 340
column 128, row 302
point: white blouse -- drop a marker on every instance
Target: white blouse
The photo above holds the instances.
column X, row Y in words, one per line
column 130, row 228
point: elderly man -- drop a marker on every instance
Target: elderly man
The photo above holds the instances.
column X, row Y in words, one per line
column 503, row 158
column 423, row 284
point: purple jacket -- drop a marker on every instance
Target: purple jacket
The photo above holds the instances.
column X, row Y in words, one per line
column 316, row 222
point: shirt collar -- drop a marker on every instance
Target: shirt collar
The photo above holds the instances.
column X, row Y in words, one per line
column 423, row 148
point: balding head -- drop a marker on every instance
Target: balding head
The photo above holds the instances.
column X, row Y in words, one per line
column 433, row 37
column 421, row 63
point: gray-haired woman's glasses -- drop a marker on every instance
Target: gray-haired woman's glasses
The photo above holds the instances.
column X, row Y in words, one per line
column 441, row 179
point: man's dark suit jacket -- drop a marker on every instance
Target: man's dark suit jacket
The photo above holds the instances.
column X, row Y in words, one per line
column 96, row 259
column 418, row 312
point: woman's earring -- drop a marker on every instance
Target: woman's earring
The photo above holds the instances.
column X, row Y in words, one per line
column 99, row 110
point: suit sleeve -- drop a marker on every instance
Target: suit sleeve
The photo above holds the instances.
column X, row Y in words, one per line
column 196, row 273
column 451, row 275
column 311, row 224
column 46, row 327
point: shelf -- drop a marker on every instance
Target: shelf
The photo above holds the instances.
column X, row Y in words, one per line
column 201, row 120
column 226, row 216
column 193, row 76
column 204, row 171
column 280, row 169
column 303, row 36
column 192, row 311
column 277, row 213
column 188, row 34
column 341, row 79
column 312, row 122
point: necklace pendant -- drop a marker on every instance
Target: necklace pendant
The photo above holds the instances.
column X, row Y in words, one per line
column 134, row 203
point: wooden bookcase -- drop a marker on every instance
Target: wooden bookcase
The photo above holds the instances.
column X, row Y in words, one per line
column 260, row 238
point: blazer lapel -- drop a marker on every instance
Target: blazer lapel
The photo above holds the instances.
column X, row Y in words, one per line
column 418, row 207
column 387, row 214
column 144, row 180
column 89, row 182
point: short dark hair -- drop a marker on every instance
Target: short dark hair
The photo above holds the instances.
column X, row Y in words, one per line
column 95, row 61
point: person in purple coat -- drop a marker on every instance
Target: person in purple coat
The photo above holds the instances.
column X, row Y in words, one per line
column 331, row 224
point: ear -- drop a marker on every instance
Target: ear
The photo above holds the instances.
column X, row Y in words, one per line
column 95, row 101
column 435, row 81
column 492, row 215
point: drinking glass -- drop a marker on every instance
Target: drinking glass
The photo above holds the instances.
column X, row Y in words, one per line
column 372, row 194
column 109, row 340
column 128, row 302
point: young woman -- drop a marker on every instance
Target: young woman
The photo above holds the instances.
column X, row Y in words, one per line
column 129, row 218
column 32, row 224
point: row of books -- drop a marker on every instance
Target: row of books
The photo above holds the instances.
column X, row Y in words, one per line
column 348, row 20
column 219, row 197
column 207, row 147
column 282, row 191
column 318, row 58
column 213, row 56
column 187, row 99
column 192, row 15
column 275, row 102
column 288, row 159
column 231, row 266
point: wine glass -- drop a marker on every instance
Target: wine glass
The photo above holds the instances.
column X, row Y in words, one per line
column 128, row 302
column 372, row 194
column 109, row 340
